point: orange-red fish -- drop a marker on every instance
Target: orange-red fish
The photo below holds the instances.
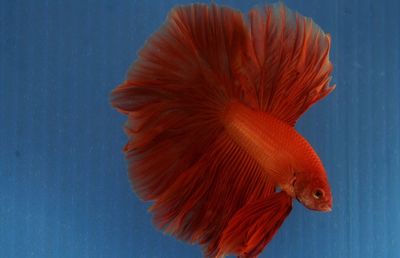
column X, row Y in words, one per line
column 212, row 101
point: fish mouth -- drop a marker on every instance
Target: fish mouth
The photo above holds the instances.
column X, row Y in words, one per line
column 321, row 208
column 326, row 208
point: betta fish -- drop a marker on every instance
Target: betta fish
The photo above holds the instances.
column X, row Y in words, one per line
column 212, row 102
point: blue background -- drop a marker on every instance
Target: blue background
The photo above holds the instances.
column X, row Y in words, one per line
column 63, row 185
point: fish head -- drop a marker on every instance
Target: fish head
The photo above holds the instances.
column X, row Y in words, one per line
column 314, row 193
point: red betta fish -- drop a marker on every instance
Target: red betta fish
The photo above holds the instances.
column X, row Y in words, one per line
column 212, row 101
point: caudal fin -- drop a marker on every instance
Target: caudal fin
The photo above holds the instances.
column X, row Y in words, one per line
column 179, row 154
column 176, row 91
column 254, row 225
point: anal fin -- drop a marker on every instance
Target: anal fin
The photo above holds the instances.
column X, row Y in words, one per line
column 254, row 225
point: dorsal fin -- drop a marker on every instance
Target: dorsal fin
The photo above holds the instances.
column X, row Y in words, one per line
column 291, row 59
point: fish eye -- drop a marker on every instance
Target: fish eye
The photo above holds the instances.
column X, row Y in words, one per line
column 318, row 194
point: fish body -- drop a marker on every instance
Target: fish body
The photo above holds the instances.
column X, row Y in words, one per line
column 212, row 101
column 281, row 151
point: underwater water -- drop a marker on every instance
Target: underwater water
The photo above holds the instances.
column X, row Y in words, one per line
column 64, row 190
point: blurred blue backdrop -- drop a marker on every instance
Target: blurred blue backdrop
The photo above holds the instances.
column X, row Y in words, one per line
column 63, row 184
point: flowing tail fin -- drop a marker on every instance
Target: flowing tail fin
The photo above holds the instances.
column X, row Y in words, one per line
column 175, row 94
column 176, row 91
